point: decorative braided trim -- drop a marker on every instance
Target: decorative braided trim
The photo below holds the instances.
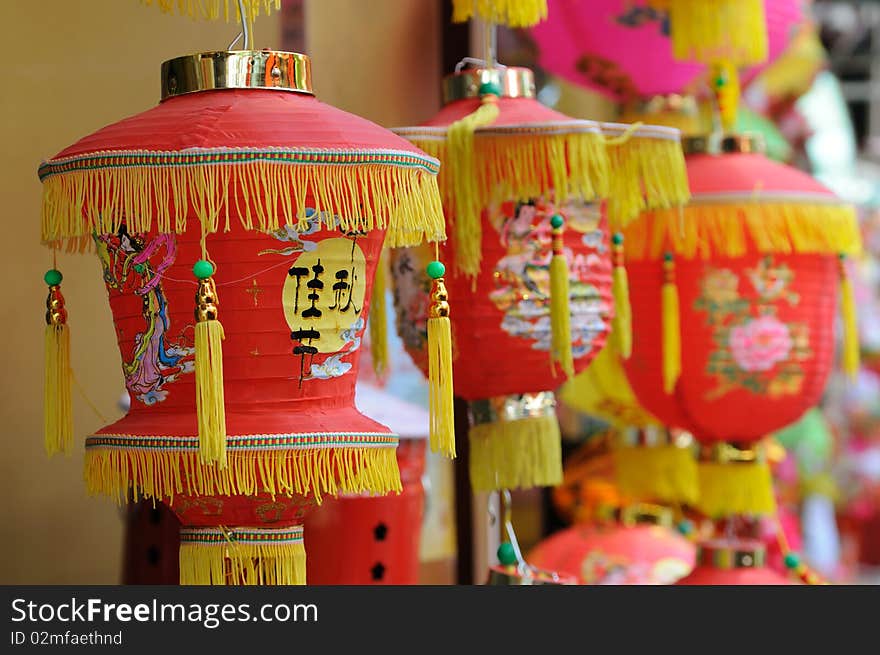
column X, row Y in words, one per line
column 515, row 129
column 248, row 442
column 225, row 536
column 261, row 188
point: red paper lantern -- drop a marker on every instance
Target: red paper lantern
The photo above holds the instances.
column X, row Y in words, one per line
column 528, row 163
column 632, row 551
column 290, row 201
column 733, row 562
column 382, row 534
column 744, row 285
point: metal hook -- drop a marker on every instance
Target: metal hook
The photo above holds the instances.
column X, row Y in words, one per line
column 245, row 29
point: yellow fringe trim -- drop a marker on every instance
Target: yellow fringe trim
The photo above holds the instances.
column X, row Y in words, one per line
column 403, row 200
column 521, row 167
column 622, row 321
column 708, row 230
column 243, row 564
column 850, row 325
column 604, row 391
column 210, row 403
column 215, row 9
column 646, row 173
column 560, row 315
column 513, row 13
column 378, row 320
column 662, row 473
column 708, row 29
column 161, row 474
column 516, row 454
column 440, row 390
column 468, row 227
column 737, row 488
column 57, row 405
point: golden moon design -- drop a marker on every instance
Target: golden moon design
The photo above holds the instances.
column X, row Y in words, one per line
column 324, row 293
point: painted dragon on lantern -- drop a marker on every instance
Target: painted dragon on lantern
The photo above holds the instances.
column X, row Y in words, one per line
column 132, row 263
column 754, row 349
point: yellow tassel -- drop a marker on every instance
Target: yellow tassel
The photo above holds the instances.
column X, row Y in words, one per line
column 701, row 30
column 216, row 9
column 666, row 473
column 440, row 394
column 560, row 311
column 622, row 322
column 725, row 83
column 210, row 404
column 671, row 326
column 242, row 556
column 57, row 407
column 850, row 323
column 513, row 13
column 467, row 222
column 735, row 488
column 522, row 453
column 378, row 320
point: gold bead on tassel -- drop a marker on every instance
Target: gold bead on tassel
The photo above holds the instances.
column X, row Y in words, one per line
column 622, row 323
column 850, row 322
column 210, row 405
column 58, row 412
column 671, row 325
column 442, row 432
column 560, row 312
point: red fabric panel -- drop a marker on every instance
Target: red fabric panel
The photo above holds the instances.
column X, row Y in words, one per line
column 615, row 554
column 771, row 354
column 513, row 111
column 737, row 173
column 151, row 289
column 252, row 118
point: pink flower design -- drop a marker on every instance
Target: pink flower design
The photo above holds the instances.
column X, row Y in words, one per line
column 760, row 343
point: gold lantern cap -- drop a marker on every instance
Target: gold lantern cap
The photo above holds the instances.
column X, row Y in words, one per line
column 724, row 144
column 237, row 69
column 514, row 82
column 732, row 554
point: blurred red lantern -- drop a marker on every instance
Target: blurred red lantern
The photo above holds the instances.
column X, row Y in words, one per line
column 640, row 548
column 289, row 200
column 746, row 278
column 733, row 562
column 524, row 166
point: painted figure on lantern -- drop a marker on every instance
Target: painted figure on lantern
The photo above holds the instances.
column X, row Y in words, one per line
column 132, row 264
column 522, row 276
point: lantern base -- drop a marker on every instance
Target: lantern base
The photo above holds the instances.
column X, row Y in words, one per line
column 729, row 488
column 517, row 444
column 242, row 556
column 663, row 472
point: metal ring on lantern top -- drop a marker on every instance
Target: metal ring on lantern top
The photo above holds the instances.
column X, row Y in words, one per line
column 726, row 453
column 512, row 408
column 728, row 144
column 239, row 69
column 650, row 436
column 738, row 554
column 636, row 514
column 514, row 82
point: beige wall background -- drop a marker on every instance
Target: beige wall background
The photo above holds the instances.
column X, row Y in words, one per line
column 77, row 66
